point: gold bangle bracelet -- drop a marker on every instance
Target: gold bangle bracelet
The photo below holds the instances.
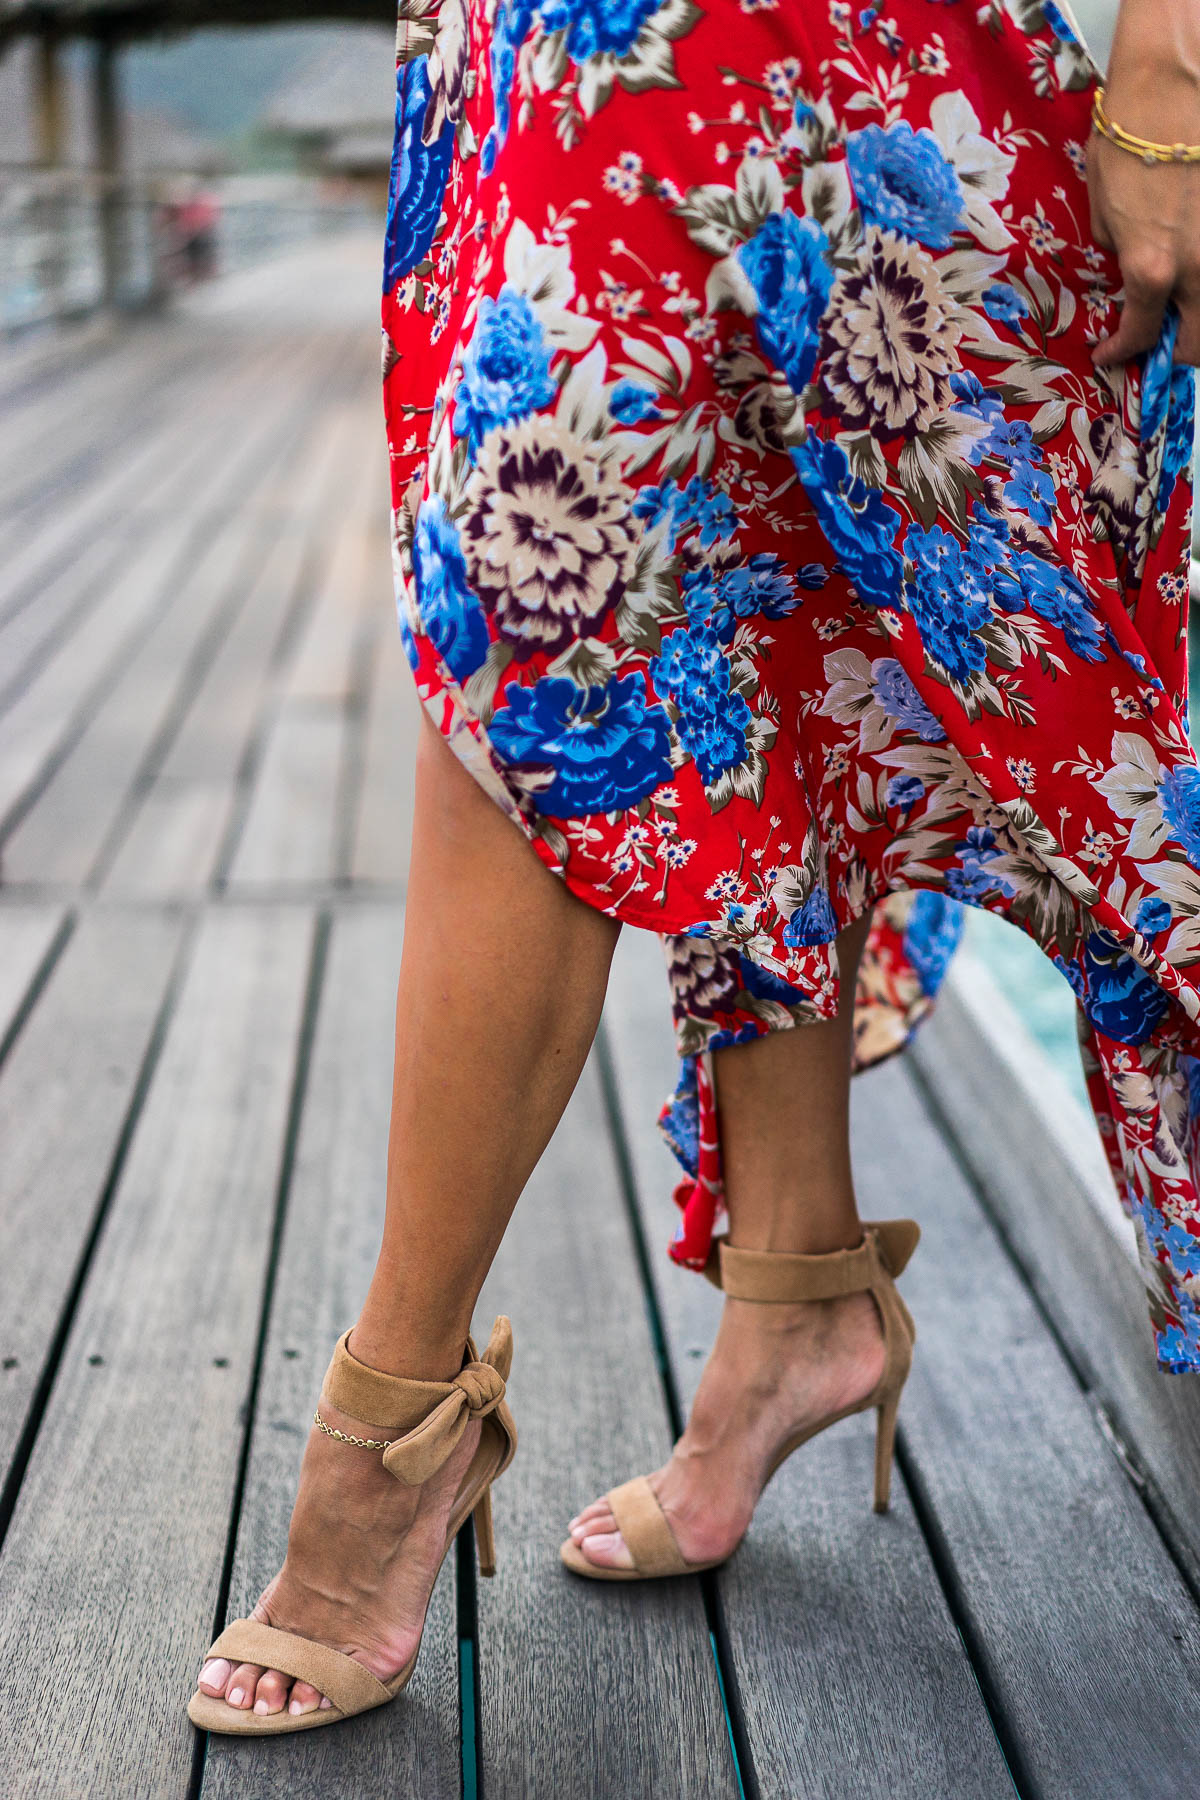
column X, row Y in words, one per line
column 1147, row 152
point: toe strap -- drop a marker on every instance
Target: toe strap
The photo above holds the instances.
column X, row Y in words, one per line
column 351, row 1688
column 643, row 1524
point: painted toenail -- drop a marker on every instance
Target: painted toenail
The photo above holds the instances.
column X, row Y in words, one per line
column 262, row 1706
column 235, row 1696
column 325, row 1704
column 296, row 1707
column 215, row 1671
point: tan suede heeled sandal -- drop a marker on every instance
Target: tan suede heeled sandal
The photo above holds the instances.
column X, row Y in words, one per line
column 428, row 1419
column 772, row 1276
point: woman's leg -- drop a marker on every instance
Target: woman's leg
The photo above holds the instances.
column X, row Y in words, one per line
column 502, row 981
column 784, row 1109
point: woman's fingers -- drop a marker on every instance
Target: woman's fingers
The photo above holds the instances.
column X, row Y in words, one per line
column 1149, row 281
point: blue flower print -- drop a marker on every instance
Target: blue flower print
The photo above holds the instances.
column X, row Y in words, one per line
column 632, row 401
column 1011, row 440
column 860, row 529
column 905, row 790
column 813, row 923
column 662, row 505
column 1182, row 1248
column 1003, row 302
column 1181, row 434
column 679, row 1120
column 1153, row 915
column 513, row 23
column 418, row 176
column 931, row 936
column 1031, row 491
column 607, row 746
column 972, row 881
column 1058, row 23
column 904, row 183
column 1157, row 365
column 693, row 669
column 1072, row 974
column 506, row 369
column 977, row 402
column 765, row 986
column 1177, row 1355
column 948, row 601
column 1056, row 594
column 1179, row 796
column 596, row 26
column 760, row 587
column 451, row 616
column 699, row 503
column 786, row 265
column 1120, row 999
column 712, row 511
column 897, row 694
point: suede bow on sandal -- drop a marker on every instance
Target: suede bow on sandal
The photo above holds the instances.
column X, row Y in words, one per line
column 768, row 1276
column 417, row 1425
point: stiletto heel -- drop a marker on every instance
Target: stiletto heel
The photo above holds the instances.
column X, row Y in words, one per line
column 770, row 1276
column 885, row 1445
column 485, row 1538
column 417, row 1425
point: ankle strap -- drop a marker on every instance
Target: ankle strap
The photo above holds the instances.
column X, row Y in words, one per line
column 424, row 1420
column 775, row 1276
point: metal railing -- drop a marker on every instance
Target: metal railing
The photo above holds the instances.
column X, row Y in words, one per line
column 72, row 242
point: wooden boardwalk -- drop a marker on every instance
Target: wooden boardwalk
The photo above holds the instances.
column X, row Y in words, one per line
column 204, row 794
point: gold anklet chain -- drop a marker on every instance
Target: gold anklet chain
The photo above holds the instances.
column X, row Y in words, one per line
column 1146, row 151
column 344, row 1437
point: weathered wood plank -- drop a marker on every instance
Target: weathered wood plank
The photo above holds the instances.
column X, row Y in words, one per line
column 114, row 1555
column 289, row 835
column 354, row 586
column 1085, row 1634
column 55, row 704
column 174, row 840
column 1037, row 1159
column 295, row 825
column 331, row 1236
column 26, row 934
column 64, row 834
column 586, row 1691
column 849, row 1671
column 65, row 1093
column 138, row 470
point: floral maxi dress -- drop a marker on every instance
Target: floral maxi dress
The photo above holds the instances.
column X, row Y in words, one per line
column 767, row 544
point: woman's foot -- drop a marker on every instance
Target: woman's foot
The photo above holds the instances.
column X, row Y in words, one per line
column 773, row 1370
column 363, row 1554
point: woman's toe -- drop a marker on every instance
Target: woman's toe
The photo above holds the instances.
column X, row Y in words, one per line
column 304, row 1698
column 606, row 1548
column 599, row 1523
column 596, row 1517
column 214, row 1676
column 242, row 1685
column 271, row 1695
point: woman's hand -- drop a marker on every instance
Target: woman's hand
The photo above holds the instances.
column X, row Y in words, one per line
column 1150, row 216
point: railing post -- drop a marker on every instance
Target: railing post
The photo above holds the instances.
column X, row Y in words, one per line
column 50, row 130
column 49, row 99
column 110, row 168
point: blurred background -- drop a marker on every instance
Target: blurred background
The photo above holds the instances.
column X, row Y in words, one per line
column 144, row 148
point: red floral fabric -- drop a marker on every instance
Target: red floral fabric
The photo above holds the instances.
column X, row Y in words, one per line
column 769, row 547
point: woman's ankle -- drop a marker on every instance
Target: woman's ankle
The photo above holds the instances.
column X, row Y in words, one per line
column 797, row 1227
column 401, row 1351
